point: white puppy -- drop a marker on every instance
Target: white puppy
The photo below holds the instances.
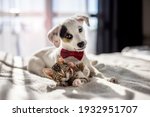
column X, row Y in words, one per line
column 69, row 40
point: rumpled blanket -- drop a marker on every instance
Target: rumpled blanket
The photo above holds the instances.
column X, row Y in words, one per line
column 133, row 76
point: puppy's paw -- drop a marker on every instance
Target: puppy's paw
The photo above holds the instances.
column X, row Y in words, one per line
column 50, row 83
column 44, row 85
column 94, row 73
column 53, row 85
column 77, row 82
column 113, row 80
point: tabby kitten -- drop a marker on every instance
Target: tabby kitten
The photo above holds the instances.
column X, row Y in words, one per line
column 65, row 73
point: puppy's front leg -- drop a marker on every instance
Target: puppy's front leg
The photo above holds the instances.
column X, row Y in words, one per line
column 100, row 75
column 86, row 71
column 97, row 73
column 89, row 67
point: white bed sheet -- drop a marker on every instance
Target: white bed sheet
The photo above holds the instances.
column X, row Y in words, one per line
column 132, row 73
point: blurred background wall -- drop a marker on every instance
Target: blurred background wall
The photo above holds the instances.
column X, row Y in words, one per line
column 115, row 24
column 22, row 29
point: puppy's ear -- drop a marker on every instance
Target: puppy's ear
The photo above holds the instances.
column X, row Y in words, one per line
column 82, row 18
column 53, row 36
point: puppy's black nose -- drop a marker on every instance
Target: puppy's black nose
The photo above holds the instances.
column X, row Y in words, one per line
column 81, row 44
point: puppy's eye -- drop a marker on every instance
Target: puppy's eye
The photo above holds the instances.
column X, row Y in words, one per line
column 80, row 29
column 68, row 36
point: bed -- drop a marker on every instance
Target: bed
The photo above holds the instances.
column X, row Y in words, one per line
column 131, row 67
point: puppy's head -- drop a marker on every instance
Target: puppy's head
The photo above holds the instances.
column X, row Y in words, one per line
column 70, row 34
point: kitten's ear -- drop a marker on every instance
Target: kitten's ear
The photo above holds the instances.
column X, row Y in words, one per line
column 53, row 36
column 82, row 18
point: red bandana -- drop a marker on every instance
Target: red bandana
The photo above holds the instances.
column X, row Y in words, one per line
column 65, row 53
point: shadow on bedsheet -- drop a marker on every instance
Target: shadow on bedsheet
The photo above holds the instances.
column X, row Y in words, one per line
column 107, row 94
column 94, row 90
column 91, row 90
column 7, row 84
column 7, row 80
column 10, row 86
column 128, row 78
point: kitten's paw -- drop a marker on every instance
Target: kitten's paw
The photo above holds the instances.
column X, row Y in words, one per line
column 77, row 82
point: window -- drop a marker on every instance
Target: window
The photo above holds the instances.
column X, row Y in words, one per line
column 24, row 24
column 22, row 29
